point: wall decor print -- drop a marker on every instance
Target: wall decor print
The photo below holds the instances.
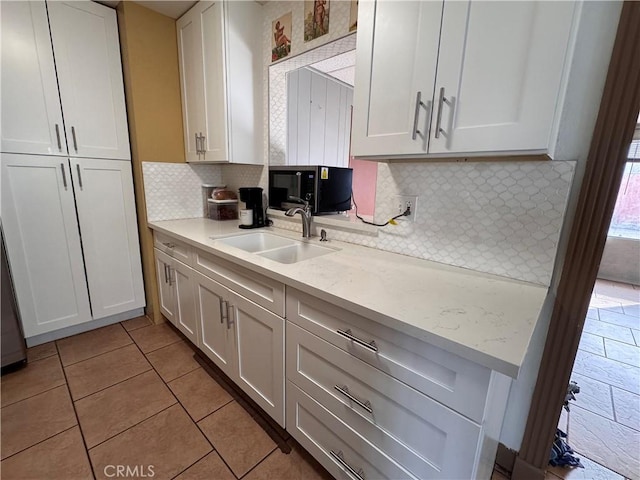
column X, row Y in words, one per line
column 281, row 39
column 353, row 16
column 316, row 19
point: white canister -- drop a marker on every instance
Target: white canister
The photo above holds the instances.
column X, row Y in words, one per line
column 246, row 217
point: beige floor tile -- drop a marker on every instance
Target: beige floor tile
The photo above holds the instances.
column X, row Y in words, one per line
column 35, row 419
column 100, row 372
column 592, row 343
column 41, row 351
column 199, row 394
column 35, row 377
column 609, row 330
column 591, row 471
column 169, row 442
column 608, row 371
column 173, row 361
column 136, row 323
column 622, row 352
column 620, row 319
column 627, row 408
column 210, row 467
column 91, row 344
column 62, row 457
column 606, row 442
column 292, row 466
column 594, row 396
column 154, row 337
column 239, row 440
column 111, row 411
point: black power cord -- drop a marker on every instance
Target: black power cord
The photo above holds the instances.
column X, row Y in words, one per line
column 391, row 221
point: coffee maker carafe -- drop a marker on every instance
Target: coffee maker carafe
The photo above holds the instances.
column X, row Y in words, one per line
column 252, row 197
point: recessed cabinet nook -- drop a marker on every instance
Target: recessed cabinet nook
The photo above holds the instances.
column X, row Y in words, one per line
column 68, row 210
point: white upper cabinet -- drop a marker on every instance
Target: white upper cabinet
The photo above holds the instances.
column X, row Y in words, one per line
column 220, row 50
column 396, row 55
column 31, row 113
column 104, row 199
column 87, row 53
column 483, row 79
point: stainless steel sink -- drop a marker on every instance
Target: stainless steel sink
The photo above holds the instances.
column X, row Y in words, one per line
column 295, row 253
column 275, row 247
column 257, row 242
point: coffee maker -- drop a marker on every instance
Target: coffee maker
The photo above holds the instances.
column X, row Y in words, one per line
column 252, row 197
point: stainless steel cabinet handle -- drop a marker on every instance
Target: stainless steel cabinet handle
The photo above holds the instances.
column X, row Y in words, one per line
column 347, row 333
column 64, row 176
column 416, row 115
column 75, row 141
column 166, row 275
column 169, row 275
column 441, row 101
column 168, row 245
column 344, row 390
column 197, row 144
column 79, row 175
column 203, row 150
column 358, row 474
column 427, row 125
column 58, row 137
column 224, row 312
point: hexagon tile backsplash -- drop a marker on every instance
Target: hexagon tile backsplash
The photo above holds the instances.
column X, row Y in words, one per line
column 502, row 218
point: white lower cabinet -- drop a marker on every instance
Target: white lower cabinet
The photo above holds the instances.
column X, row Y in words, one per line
column 72, row 239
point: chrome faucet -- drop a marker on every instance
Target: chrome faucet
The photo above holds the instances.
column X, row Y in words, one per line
column 305, row 213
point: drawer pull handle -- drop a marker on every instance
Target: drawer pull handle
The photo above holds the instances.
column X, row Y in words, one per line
column 347, row 333
column 169, row 245
column 344, row 390
column 358, row 474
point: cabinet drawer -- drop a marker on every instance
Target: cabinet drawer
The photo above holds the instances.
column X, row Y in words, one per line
column 321, row 433
column 262, row 290
column 458, row 383
column 174, row 248
column 422, row 435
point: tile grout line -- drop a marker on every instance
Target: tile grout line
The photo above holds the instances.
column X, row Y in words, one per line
column 93, row 356
column 257, row 464
column 36, row 394
column 601, row 381
column 42, row 441
column 109, row 386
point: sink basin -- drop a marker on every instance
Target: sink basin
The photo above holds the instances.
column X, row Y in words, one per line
column 257, row 242
column 295, row 253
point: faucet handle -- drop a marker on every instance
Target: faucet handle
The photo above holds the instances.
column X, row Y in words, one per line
column 300, row 200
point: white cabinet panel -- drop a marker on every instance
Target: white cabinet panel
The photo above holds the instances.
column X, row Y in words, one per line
column 500, row 67
column 106, row 209
column 166, row 292
column 87, row 52
column 260, row 355
column 31, row 113
column 43, row 242
column 395, row 59
column 216, row 338
column 181, row 276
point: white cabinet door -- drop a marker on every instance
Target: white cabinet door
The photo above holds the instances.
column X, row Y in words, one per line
column 260, row 350
column 216, row 337
column 181, row 278
column 87, row 53
column 31, row 113
column 43, row 243
column 106, row 210
column 202, row 80
column 396, row 61
column 166, row 292
column 499, row 68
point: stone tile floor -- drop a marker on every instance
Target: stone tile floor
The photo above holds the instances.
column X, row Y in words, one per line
column 604, row 422
column 131, row 394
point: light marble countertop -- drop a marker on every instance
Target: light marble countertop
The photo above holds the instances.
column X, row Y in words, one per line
column 481, row 317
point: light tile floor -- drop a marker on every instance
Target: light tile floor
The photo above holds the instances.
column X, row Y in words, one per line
column 131, row 394
column 604, row 422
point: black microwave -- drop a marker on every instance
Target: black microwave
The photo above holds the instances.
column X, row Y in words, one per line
column 327, row 189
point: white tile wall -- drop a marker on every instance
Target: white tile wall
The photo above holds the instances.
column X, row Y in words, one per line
column 173, row 190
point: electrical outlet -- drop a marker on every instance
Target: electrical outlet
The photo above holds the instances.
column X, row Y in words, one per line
column 400, row 204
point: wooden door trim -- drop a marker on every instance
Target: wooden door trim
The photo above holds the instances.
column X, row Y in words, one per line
column 603, row 175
